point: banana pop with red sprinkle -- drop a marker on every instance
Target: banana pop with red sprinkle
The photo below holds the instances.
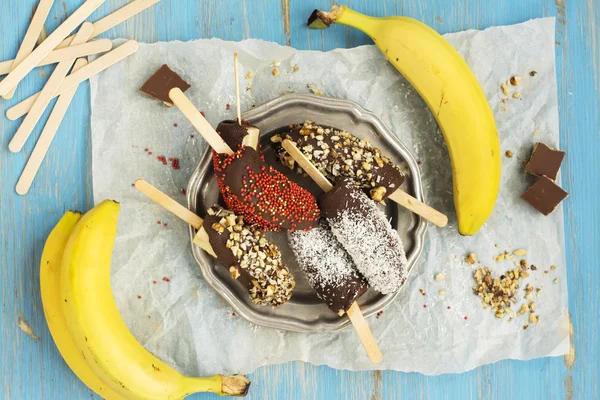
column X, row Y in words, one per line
column 262, row 195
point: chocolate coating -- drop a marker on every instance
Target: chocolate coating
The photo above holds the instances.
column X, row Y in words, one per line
column 328, row 268
column 232, row 133
column 338, row 154
column 261, row 194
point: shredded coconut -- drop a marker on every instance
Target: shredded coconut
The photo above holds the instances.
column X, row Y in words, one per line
column 374, row 246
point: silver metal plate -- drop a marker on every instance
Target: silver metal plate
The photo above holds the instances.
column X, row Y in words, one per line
column 305, row 312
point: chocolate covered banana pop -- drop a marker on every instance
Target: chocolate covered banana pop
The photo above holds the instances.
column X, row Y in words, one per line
column 329, row 269
column 250, row 187
column 243, row 250
column 338, row 154
column 249, row 257
column 367, row 236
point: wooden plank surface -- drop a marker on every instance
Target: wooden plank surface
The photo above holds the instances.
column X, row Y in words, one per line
column 33, row 369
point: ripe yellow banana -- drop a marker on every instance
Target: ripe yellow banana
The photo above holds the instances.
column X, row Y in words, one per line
column 99, row 332
column 50, row 288
column 448, row 86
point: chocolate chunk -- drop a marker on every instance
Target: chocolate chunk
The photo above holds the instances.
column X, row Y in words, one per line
column 544, row 195
column 163, row 80
column 545, row 161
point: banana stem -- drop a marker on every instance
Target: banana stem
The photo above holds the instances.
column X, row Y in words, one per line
column 342, row 15
column 237, row 385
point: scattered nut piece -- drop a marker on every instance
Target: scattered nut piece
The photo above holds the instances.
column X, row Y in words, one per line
column 533, row 267
column 275, row 64
column 471, row 258
column 516, row 95
column 535, row 131
column 442, row 292
column 533, row 73
column 250, row 75
column 509, row 153
column 440, row 277
column 275, row 72
column 533, row 318
column 515, row 80
column 249, row 87
column 218, row 227
column 553, row 267
column 276, row 139
column 520, row 252
column 504, row 88
column 317, row 92
column 555, row 280
column 295, row 68
column 499, row 257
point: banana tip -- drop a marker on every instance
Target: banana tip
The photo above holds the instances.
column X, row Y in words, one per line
column 321, row 19
column 237, row 385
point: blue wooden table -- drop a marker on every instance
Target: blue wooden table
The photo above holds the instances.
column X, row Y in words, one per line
column 33, row 369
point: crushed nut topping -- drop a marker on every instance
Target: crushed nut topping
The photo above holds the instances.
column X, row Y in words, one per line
column 471, row 258
column 271, row 281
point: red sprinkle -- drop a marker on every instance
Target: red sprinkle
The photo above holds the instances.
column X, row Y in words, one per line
column 174, row 163
column 379, row 314
column 466, row 318
column 419, row 162
column 164, row 224
column 166, row 279
column 154, row 282
column 146, row 149
column 159, row 222
column 183, row 191
column 175, row 125
column 162, row 159
column 202, row 112
column 228, row 106
column 266, row 193
column 149, row 153
column 139, row 297
column 133, row 185
column 424, row 305
column 449, row 307
column 233, row 314
column 191, row 136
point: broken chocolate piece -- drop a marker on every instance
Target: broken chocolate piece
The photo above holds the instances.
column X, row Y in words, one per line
column 163, row 80
column 544, row 195
column 545, row 160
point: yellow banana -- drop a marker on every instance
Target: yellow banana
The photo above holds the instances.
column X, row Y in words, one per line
column 448, row 86
column 99, row 332
column 50, row 289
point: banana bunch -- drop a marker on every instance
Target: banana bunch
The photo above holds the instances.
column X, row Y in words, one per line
column 448, row 86
column 86, row 325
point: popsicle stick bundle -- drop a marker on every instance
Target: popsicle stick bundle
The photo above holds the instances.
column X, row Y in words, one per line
column 71, row 70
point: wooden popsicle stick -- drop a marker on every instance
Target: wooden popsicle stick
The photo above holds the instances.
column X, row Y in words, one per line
column 199, row 122
column 251, row 139
column 48, row 45
column 43, row 144
column 115, row 18
column 100, row 64
column 68, row 53
column 237, row 88
column 364, row 333
column 47, row 93
column 399, row 196
column 410, row 203
column 307, row 166
column 31, row 36
column 354, row 313
column 201, row 238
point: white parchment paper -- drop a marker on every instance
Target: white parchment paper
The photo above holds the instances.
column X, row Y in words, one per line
column 188, row 325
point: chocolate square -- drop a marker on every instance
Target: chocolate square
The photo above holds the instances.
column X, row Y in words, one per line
column 544, row 161
column 163, row 80
column 544, row 195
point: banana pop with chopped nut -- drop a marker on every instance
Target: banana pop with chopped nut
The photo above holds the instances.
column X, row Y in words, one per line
column 338, row 154
column 249, row 257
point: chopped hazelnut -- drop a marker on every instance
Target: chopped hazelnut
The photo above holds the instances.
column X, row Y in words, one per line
column 471, row 258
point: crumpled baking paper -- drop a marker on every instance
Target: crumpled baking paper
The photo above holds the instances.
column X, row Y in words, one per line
column 177, row 316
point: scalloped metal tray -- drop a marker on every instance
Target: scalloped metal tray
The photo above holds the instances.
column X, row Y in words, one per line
column 305, row 312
